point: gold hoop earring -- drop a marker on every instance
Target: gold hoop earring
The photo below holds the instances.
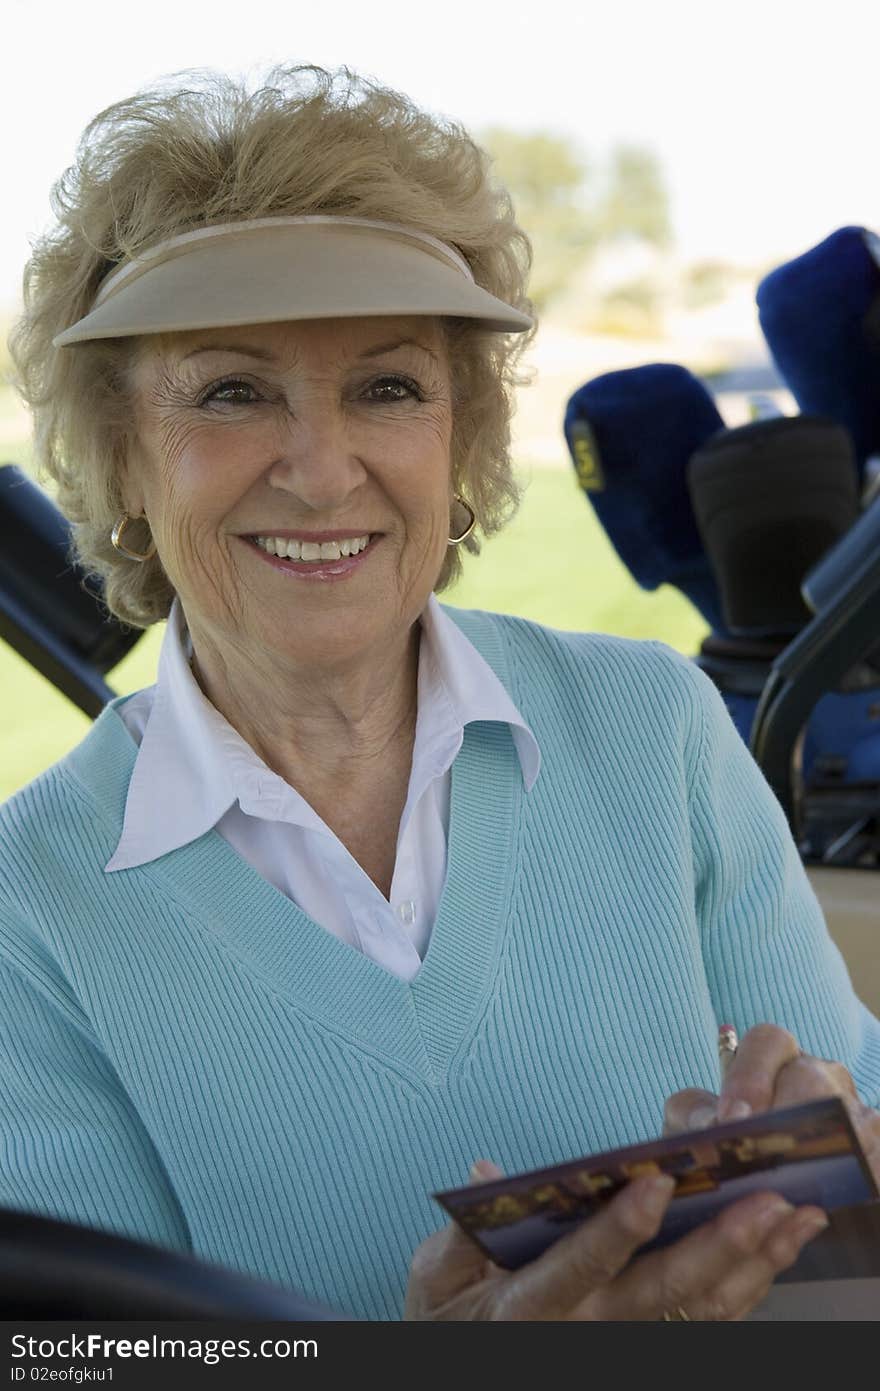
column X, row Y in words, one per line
column 457, row 540
column 116, row 540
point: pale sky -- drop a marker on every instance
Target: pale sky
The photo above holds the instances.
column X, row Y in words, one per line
column 764, row 115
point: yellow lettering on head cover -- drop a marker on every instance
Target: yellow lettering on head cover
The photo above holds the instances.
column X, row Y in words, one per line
column 586, row 458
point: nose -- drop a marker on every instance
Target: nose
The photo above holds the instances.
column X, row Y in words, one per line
column 317, row 460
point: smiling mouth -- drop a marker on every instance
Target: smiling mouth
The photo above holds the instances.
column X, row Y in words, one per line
column 321, row 559
column 314, row 551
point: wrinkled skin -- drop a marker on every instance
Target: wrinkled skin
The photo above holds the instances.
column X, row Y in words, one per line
column 325, row 425
column 720, row 1271
column 769, row 1072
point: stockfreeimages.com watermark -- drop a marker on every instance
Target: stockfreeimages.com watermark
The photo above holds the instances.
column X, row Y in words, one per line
column 95, row 1346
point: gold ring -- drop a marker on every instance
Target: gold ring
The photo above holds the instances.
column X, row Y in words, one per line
column 678, row 1315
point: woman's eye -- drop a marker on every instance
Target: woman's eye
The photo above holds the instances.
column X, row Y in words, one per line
column 234, row 392
column 391, row 389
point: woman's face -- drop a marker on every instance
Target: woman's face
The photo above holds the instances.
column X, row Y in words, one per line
column 324, row 433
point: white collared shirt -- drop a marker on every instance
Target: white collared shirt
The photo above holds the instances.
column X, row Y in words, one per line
column 193, row 771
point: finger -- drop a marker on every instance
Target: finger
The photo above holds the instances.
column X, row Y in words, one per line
column 680, row 1275
column 483, row 1171
column 807, row 1079
column 743, row 1288
column 691, row 1109
column 559, row 1281
column 749, row 1083
column 448, row 1262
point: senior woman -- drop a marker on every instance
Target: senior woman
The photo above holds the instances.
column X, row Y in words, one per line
column 365, row 889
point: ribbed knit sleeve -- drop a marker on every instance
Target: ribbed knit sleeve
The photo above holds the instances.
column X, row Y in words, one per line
column 768, row 954
column 71, row 1144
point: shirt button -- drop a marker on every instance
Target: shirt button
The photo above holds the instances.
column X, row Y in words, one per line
column 407, row 911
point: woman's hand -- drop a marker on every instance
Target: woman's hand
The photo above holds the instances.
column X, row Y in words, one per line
column 719, row 1271
column 768, row 1072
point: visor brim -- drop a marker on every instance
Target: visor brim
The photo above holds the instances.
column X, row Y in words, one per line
column 278, row 274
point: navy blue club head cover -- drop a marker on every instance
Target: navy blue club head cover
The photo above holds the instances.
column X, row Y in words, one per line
column 631, row 435
column 820, row 315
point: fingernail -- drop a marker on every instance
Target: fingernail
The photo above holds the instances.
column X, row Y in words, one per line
column 771, row 1214
column 701, row 1117
column 733, row 1110
column 482, row 1169
column 655, row 1194
column 810, row 1224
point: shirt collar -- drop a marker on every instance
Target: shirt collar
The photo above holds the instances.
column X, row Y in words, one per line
column 193, row 765
column 185, row 766
column 474, row 691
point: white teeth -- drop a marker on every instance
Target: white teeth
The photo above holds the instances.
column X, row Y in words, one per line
column 312, row 550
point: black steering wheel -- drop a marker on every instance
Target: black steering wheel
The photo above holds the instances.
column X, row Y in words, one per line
column 56, row 1270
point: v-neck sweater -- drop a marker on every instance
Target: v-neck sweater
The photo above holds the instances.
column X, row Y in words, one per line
column 187, row 1058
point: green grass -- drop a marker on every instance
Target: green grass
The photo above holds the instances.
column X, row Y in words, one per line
column 553, row 564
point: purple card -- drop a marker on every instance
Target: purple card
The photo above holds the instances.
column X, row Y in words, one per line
column 809, row 1154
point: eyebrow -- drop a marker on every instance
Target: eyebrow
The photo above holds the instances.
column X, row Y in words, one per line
column 246, row 350
column 241, row 348
column 399, row 343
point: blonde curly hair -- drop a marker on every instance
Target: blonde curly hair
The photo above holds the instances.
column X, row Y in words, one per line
column 201, row 149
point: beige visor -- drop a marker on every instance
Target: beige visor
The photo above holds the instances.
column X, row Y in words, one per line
column 275, row 269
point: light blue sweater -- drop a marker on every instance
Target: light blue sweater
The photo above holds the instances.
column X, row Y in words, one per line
column 187, row 1058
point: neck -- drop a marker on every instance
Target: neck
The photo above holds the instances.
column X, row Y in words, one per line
column 321, row 726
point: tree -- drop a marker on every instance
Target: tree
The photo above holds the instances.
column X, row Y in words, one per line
column 548, row 180
column 566, row 210
column 636, row 203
